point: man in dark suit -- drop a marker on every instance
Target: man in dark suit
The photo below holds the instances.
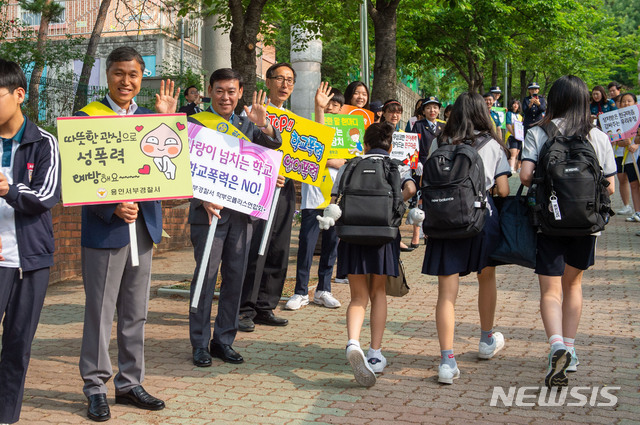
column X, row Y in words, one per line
column 110, row 281
column 233, row 232
column 429, row 127
column 266, row 274
column 191, row 95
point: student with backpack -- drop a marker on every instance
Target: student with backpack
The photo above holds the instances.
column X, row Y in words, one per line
column 572, row 172
column 468, row 162
column 368, row 204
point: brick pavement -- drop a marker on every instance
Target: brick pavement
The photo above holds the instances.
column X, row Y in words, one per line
column 298, row 374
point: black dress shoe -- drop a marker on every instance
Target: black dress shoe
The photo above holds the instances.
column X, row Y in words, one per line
column 225, row 353
column 98, row 408
column 138, row 397
column 201, row 357
column 245, row 324
column 269, row 319
column 415, row 245
column 406, row 249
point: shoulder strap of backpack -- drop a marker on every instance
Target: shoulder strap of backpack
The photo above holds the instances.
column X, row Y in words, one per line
column 482, row 140
column 351, row 164
column 551, row 130
column 392, row 176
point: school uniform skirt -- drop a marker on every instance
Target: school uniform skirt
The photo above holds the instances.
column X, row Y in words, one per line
column 444, row 257
column 365, row 259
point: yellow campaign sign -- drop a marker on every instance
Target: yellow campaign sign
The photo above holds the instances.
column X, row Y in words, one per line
column 305, row 146
column 109, row 159
column 325, row 188
column 216, row 122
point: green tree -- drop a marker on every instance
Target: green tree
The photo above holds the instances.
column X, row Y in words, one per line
column 50, row 11
column 87, row 63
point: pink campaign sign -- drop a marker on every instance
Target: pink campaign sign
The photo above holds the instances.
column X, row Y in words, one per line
column 234, row 173
column 621, row 123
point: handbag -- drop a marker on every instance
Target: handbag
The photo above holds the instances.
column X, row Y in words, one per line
column 517, row 236
column 397, row 285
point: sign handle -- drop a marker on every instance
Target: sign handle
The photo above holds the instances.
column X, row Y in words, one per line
column 133, row 244
column 267, row 227
column 204, row 263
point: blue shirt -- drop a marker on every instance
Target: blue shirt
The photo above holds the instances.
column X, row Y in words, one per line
column 7, row 144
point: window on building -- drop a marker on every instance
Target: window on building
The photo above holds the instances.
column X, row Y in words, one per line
column 33, row 19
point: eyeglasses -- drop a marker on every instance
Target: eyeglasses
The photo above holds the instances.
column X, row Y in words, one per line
column 280, row 79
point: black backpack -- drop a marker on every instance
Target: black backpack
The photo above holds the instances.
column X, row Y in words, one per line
column 454, row 196
column 571, row 197
column 370, row 198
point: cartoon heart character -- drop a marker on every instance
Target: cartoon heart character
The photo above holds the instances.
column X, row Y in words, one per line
column 162, row 144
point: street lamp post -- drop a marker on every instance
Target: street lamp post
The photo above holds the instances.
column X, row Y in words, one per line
column 364, row 43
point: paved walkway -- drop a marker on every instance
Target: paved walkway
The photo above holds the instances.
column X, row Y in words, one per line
column 298, row 374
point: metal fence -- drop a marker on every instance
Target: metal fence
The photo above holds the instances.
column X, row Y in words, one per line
column 56, row 98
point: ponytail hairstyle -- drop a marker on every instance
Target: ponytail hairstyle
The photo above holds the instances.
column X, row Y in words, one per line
column 390, row 105
column 569, row 99
column 378, row 136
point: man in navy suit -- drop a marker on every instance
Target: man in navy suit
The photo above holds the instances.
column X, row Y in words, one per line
column 110, row 281
column 230, row 249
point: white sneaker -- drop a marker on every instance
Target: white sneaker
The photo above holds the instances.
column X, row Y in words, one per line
column 377, row 363
column 626, row 210
column 486, row 351
column 573, row 364
column 446, row 374
column 326, row 299
column 635, row 217
column 296, row 301
column 361, row 369
column 338, row 280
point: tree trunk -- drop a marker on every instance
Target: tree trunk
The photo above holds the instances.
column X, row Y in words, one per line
column 38, row 68
column 244, row 36
column 494, row 73
column 89, row 59
column 523, row 84
column 385, row 78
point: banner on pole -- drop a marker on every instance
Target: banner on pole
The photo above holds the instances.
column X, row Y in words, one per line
column 231, row 172
column 518, row 128
column 112, row 159
column 502, row 114
column 621, row 123
column 405, row 148
column 305, row 145
column 349, row 136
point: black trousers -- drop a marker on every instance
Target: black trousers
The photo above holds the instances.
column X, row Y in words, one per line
column 266, row 274
column 21, row 302
column 229, row 254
